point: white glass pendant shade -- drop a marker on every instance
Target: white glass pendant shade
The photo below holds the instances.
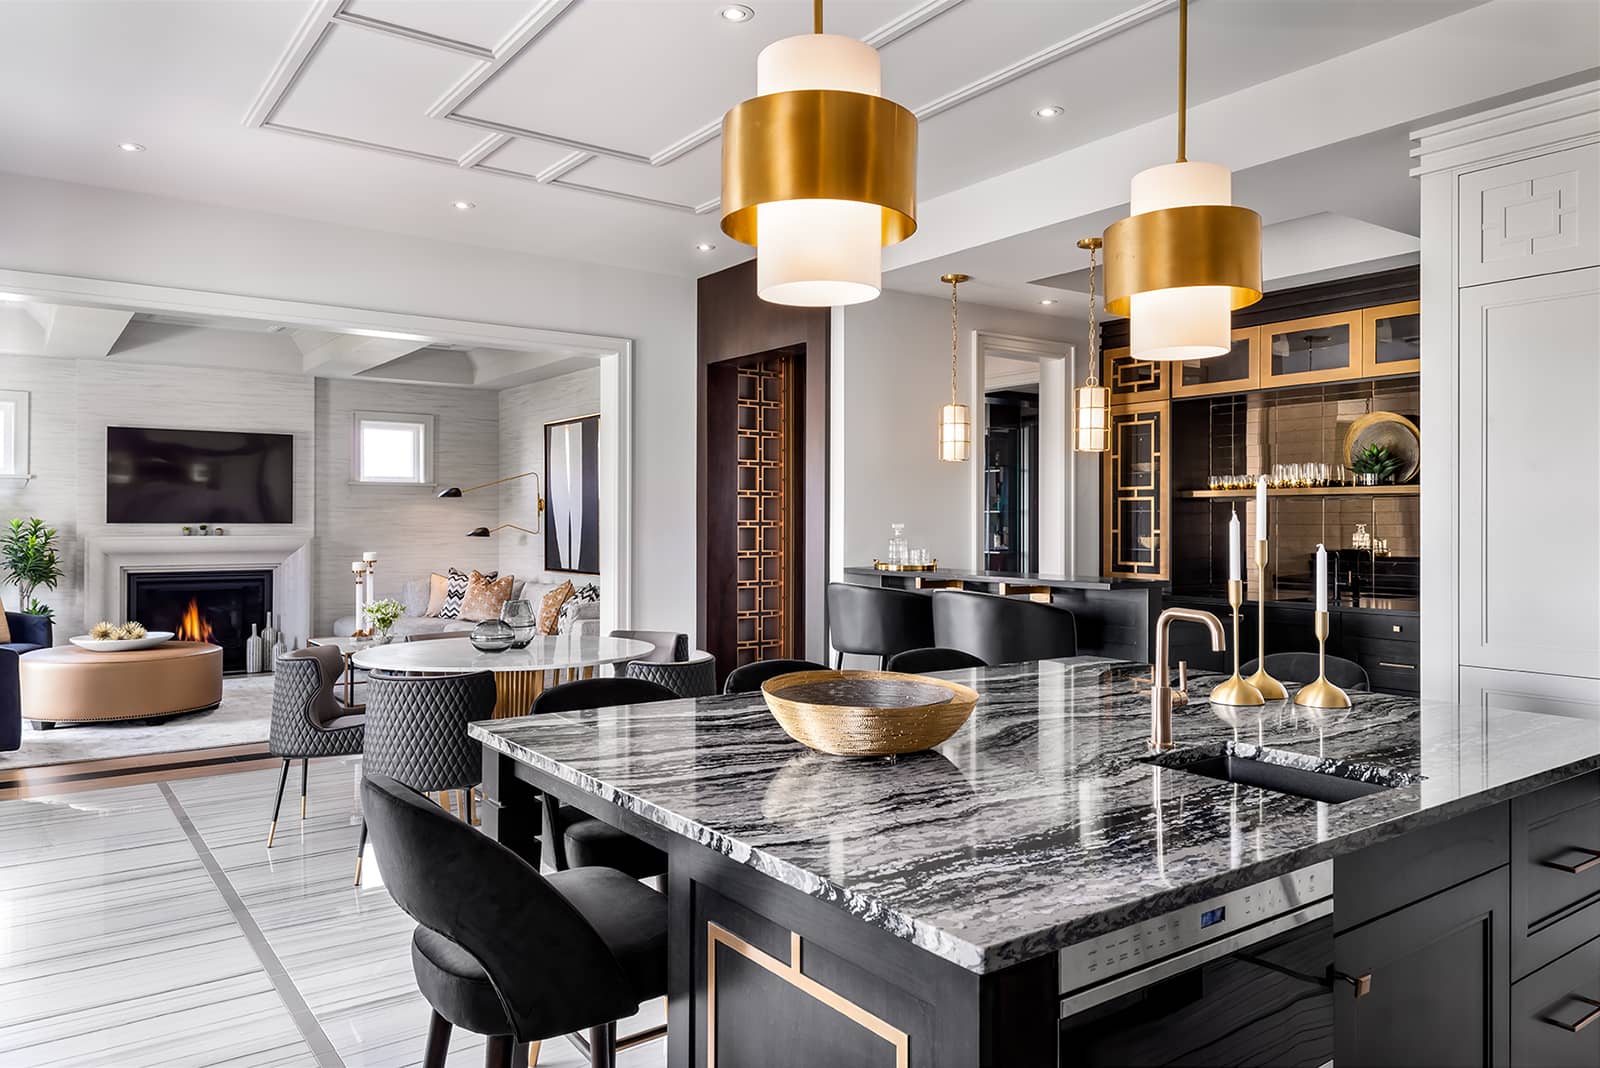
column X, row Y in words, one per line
column 955, row 433
column 1091, row 427
column 1193, row 322
column 819, row 253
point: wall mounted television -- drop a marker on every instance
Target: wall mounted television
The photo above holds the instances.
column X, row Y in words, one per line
column 198, row 476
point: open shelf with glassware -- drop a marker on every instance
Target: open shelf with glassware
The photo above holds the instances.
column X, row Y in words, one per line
column 1411, row 489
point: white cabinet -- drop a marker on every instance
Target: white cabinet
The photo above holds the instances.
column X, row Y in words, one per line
column 1532, row 217
column 1529, row 473
column 1524, row 691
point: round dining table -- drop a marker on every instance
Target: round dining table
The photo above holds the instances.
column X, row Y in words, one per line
column 520, row 675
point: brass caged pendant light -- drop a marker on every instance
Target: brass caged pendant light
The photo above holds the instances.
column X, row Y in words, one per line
column 1091, row 426
column 819, row 171
column 1185, row 258
column 955, row 418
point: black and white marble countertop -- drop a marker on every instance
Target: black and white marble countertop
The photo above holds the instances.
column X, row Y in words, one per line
column 1038, row 824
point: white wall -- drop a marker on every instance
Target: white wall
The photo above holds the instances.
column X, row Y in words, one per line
column 52, row 495
column 411, row 530
column 894, row 363
column 524, row 410
column 84, row 231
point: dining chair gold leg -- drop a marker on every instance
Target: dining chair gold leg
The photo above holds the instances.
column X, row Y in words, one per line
column 533, row 1054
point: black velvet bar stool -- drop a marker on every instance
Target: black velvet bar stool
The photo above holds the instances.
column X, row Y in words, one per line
column 747, row 678
column 921, row 661
column 1002, row 630
column 872, row 621
column 505, row 952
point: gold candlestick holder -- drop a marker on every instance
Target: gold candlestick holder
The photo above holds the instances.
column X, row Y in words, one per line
column 1269, row 688
column 1322, row 693
column 1235, row 690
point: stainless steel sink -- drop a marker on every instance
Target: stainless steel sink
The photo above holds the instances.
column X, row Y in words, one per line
column 1285, row 772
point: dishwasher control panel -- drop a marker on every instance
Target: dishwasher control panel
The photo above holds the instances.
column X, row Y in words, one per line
column 1148, row 941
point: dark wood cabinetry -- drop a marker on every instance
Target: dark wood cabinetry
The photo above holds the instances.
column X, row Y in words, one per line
column 1554, row 1021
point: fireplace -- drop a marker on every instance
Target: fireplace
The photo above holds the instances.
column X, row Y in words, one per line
column 213, row 606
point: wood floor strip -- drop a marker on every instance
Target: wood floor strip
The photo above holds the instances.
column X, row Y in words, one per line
column 130, row 771
column 316, row 1038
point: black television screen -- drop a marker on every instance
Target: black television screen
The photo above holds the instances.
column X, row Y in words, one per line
column 198, row 476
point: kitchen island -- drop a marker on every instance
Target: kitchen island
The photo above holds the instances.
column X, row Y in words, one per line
column 914, row 912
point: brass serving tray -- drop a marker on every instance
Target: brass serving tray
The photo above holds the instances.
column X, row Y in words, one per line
column 867, row 713
column 879, row 565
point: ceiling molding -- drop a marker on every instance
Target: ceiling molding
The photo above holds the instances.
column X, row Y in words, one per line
column 308, row 40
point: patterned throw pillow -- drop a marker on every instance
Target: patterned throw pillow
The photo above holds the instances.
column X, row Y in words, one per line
column 574, row 608
column 550, row 608
column 437, row 586
column 485, row 596
column 455, row 589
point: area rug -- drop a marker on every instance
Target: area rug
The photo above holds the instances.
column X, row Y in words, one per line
column 242, row 718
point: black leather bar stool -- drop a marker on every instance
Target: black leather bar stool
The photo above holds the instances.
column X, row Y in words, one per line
column 1301, row 668
column 919, row 661
column 1002, row 630
column 572, row 837
column 503, row 951
column 872, row 621
column 747, row 678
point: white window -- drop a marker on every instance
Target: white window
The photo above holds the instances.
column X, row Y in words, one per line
column 13, row 434
column 391, row 448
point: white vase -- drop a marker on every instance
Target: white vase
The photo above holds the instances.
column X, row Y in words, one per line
column 269, row 646
column 252, row 651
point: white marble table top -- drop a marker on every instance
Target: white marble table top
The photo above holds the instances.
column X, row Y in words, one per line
column 557, row 652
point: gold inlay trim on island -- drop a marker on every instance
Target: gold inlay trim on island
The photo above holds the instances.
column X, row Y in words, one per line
column 790, row 973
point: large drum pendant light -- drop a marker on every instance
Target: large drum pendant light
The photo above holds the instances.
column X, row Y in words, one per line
column 1185, row 257
column 955, row 418
column 819, row 171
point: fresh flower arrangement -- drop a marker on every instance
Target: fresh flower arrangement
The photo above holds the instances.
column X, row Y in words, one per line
column 104, row 631
column 383, row 614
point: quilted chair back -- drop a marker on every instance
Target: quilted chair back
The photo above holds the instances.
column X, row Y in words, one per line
column 417, row 728
column 300, row 689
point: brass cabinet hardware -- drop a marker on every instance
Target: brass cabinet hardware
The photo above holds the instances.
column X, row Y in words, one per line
column 1362, row 984
column 1593, row 1015
column 1408, row 667
column 1396, row 628
column 1580, row 867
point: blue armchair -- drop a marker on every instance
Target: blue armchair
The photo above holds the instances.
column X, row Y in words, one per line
column 28, row 633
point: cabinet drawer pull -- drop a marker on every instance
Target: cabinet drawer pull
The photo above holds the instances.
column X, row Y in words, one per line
column 1580, row 867
column 1408, row 667
column 1396, row 628
column 1361, row 984
column 1594, row 1014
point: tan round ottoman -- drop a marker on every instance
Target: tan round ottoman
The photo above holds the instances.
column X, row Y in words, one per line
column 71, row 685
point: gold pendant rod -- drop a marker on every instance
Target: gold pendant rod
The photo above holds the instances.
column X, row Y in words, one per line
column 816, row 16
column 1183, row 78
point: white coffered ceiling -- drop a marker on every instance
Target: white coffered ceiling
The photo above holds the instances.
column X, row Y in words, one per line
column 584, row 129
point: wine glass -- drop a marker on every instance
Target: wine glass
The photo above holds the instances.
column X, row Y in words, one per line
column 523, row 620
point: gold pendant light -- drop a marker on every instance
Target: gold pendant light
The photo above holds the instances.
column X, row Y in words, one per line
column 955, row 418
column 1185, row 258
column 1091, row 409
column 819, row 171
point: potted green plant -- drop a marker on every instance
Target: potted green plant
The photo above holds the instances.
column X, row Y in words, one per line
column 1374, row 464
column 32, row 560
column 382, row 615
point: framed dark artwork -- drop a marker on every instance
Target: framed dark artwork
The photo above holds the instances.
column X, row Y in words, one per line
column 572, row 495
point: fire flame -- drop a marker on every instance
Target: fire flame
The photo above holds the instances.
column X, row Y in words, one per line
column 191, row 627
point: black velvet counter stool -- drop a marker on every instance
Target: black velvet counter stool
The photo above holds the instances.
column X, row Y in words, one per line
column 505, row 952
column 747, row 678
column 1301, row 668
column 920, row 661
column 871, row 621
column 572, row 837
column 1002, row 630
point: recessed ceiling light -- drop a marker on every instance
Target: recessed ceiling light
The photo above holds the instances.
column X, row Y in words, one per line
column 464, row 205
column 737, row 13
column 1049, row 300
column 131, row 146
column 704, row 246
column 1049, row 111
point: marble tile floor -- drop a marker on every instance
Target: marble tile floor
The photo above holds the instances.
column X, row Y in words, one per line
column 149, row 925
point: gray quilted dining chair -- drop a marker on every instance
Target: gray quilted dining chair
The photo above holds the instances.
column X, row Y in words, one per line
column 308, row 719
column 417, row 734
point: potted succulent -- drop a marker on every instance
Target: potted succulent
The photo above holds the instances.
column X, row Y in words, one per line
column 32, row 560
column 382, row 615
column 1375, row 464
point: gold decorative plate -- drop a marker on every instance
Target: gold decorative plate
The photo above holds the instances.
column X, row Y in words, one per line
column 1392, row 430
column 867, row 713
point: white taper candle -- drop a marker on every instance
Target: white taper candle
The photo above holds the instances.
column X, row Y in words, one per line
column 1261, row 508
column 1322, row 578
column 1233, row 548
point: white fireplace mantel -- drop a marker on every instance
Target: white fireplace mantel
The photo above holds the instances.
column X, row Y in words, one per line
column 108, row 559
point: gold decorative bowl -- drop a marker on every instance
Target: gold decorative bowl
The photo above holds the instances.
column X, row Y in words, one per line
column 867, row 713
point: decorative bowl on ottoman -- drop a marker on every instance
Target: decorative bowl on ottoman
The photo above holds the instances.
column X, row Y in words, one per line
column 121, row 645
column 867, row 713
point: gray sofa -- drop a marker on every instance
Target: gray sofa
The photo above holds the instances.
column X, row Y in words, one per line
column 586, row 623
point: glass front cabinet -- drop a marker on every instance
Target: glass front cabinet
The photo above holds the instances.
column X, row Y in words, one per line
column 1323, row 348
column 1235, row 372
column 1392, row 339
column 1135, row 493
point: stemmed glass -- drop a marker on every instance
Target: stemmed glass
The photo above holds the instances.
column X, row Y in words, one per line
column 523, row 620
